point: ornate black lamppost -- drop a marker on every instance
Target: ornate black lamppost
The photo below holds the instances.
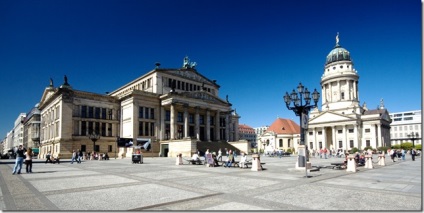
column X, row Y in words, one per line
column 413, row 136
column 301, row 108
column 94, row 137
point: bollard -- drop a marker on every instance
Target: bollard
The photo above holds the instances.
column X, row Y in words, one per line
column 179, row 160
column 351, row 164
column 381, row 160
column 256, row 163
column 368, row 162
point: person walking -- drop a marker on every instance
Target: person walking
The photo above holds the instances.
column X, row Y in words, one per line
column 19, row 160
column 230, row 159
column 48, row 157
column 79, row 154
column 74, row 155
column 403, row 154
column 28, row 160
column 413, row 154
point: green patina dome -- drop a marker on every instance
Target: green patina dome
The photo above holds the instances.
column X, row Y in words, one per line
column 338, row 54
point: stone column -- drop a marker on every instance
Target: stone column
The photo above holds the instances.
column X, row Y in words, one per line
column 355, row 93
column 324, row 138
column 208, row 125
column 344, row 142
column 172, row 126
column 186, row 121
column 378, row 139
column 340, row 91
column 196, row 124
column 217, row 127
column 227, row 126
column 162, row 123
column 355, row 141
column 334, row 136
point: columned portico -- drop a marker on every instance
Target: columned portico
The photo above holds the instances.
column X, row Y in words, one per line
column 217, row 126
column 208, row 125
column 186, row 127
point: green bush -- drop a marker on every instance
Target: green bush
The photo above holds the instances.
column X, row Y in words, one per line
column 383, row 149
column 289, row 151
column 396, row 146
column 368, row 147
column 418, row 146
column 406, row 146
column 353, row 150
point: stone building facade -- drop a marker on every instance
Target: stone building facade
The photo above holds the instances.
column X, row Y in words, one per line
column 342, row 123
column 173, row 108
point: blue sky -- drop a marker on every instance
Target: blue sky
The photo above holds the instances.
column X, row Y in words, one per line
column 255, row 49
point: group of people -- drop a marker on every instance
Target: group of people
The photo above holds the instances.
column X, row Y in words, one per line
column 400, row 154
column 231, row 155
column 22, row 153
column 52, row 159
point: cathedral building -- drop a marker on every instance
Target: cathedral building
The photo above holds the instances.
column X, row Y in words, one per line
column 342, row 123
column 173, row 108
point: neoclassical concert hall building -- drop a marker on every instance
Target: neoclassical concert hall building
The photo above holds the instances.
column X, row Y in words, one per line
column 173, row 108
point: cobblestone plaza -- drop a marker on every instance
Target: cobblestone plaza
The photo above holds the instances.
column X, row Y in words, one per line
column 159, row 184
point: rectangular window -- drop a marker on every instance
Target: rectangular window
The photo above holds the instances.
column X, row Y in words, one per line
column 146, row 113
column 202, row 119
column 367, row 130
column 288, row 143
column 152, row 113
column 83, row 148
column 351, row 143
column 90, row 112
column 140, row 128
column 280, row 144
column 343, row 96
column 182, row 85
column 152, row 129
column 407, row 118
column 191, row 118
column 103, row 129
column 110, row 114
column 320, row 133
column 146, row 129
column 311, row 133
column 97, row 112
column 397, row 119
column 97, row 128
column 340, row 144
column 167, row 115
column 109, row 130
column 97, row 148
column 400, row 128
column 350, row 130
column 320, row 145
column 180, row 117
column 83, row 128
column 103, row 113
column 311, row 145
column 367, row 143
column 110, row 148
column 90, row 127
column 340, row 131
column 395, row 128
column 83, row 111
column 140, row 112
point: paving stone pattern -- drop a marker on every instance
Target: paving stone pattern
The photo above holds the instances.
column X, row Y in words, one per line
column 159, row 184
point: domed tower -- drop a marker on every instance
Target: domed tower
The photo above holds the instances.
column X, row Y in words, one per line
column 339, row 83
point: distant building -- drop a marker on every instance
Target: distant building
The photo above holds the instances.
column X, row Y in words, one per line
column 31, row 138
column 247, row 133
column 283, row 134
column 405, row 126
column 342, row 123
column 18, row 130
column 260, row 130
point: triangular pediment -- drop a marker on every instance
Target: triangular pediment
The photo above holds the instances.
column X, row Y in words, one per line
column 191, row 74
column 326, row 117
column 48, row 92
column 204, row 96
